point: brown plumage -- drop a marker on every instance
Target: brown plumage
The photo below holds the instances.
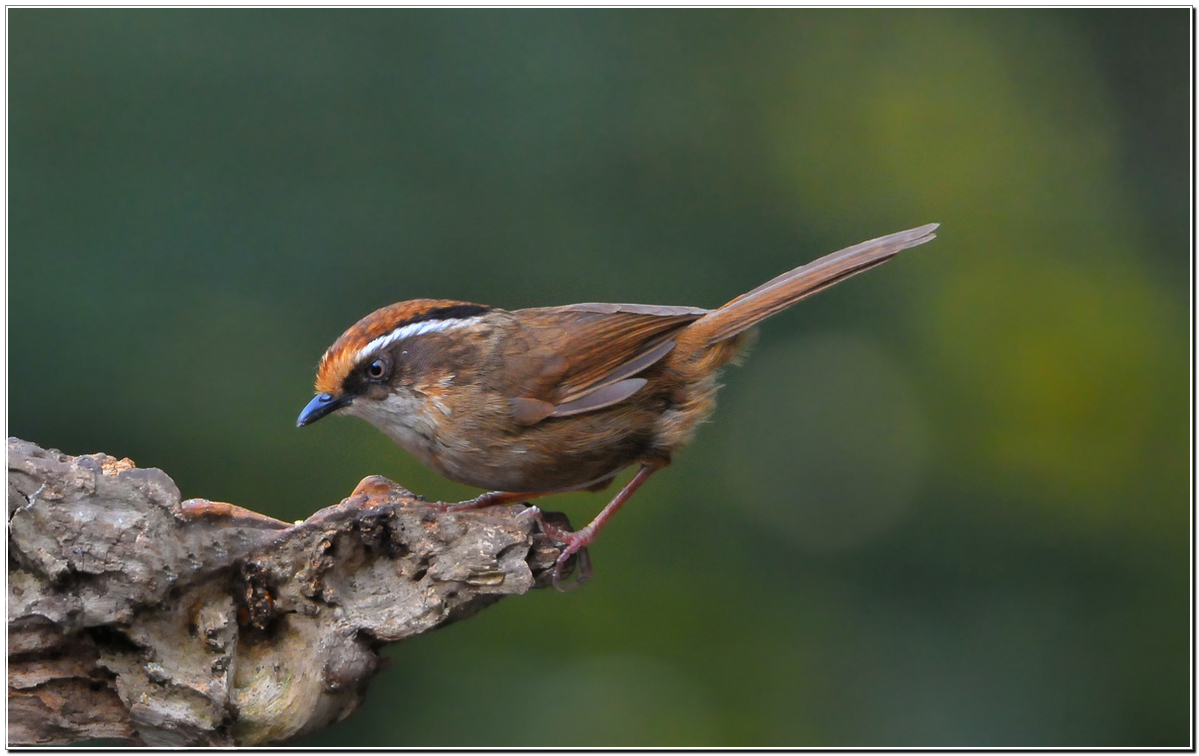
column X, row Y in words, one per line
column 554, row 399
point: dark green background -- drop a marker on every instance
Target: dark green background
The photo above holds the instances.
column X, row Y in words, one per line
column 945, row 503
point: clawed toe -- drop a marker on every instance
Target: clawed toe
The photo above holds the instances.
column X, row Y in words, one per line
column 582, row 571
column 574, row 545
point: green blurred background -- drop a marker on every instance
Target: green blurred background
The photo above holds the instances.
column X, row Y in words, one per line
column 945, row 503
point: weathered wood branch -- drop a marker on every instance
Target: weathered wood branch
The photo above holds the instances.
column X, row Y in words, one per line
column 135, row 616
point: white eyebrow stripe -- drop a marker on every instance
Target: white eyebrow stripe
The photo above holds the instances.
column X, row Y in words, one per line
column 412, row 329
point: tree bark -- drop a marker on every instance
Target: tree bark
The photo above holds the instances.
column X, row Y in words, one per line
column 136, row 617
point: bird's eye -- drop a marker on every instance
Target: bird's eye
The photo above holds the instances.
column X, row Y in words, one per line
column 377, row 370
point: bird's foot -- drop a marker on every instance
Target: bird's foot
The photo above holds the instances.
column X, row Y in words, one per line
column 373, row 486
column 482, row 501
column 575, row 543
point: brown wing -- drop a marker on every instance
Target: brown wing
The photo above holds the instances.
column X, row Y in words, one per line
column 584, row 357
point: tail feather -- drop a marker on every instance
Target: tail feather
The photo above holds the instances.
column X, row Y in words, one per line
column 783, row 291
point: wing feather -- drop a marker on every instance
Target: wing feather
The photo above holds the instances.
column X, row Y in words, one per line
column 584, row 357
column 605, row 396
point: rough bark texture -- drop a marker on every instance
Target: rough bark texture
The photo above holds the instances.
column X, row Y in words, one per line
column 138, row 617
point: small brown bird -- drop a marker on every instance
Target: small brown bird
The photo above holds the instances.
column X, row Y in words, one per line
column 553, row 399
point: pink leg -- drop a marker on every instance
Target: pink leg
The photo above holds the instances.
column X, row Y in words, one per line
column 378, row 485
column 490, row 499
column 584, row 537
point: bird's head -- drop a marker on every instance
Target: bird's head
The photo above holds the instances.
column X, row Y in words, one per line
column 370, row 362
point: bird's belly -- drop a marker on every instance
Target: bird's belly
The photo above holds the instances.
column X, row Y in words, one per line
column 520, row 467
column 556, row 455
column 490, row 451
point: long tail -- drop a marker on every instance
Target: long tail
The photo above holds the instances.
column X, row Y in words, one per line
column 783, row 291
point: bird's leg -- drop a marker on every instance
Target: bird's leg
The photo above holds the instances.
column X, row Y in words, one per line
column 580, row 539
column 490, row 499
column 378, row 485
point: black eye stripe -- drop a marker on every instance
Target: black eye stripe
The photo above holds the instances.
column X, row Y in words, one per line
column 439, row 318
column 453, row 312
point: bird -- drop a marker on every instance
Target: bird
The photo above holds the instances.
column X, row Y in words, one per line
column 545, row 400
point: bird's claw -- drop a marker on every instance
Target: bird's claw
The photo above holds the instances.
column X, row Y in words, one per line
column 574, row 544
column 582, row 571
